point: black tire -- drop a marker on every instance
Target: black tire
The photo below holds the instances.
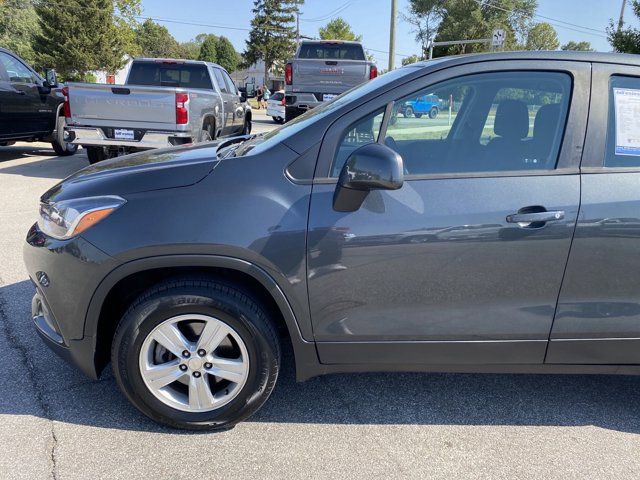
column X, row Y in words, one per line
column 290, row 113
column 95, row 154
column 408, row 112
column 205, row 135
column 61, row 147
column 246, row 128
column 433, row 113
column 227, row 302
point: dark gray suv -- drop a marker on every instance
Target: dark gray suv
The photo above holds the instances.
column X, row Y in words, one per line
column 500, row 236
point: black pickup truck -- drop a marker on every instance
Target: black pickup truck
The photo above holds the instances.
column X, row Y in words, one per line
column 31, row 107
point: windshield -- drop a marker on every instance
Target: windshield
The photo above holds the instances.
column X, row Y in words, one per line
column 332, row 51
column 261, row 143
column 169, row 74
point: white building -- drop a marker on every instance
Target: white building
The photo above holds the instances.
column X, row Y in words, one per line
column 254, row 75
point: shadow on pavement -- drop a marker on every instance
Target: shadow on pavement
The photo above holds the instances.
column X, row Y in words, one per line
column 51, row 167
column 610, row 402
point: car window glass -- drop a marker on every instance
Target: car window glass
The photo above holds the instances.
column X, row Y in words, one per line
column 277, row 96
column 360, row 133
column 491, row 122
column 331, row 51
column 623, row 132
column 220, row 81
column 15, row 71
column 169, row 75
column 230, row 85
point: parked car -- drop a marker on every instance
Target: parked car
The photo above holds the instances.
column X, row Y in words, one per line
column 190, row 268
column 321, row 70
column 424, row 105
column 164, row 102
column 31, row 107
column 275, row 106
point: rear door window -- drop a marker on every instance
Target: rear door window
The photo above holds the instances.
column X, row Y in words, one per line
column 623, row 132
column 220, row 80
column 331, row 51
column 166, row 74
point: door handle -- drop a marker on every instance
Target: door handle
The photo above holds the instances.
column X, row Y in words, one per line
column 527, row 219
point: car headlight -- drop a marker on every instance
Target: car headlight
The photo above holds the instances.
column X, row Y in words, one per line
column 68, row 218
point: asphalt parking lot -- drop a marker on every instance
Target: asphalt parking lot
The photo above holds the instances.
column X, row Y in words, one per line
column 54, row 423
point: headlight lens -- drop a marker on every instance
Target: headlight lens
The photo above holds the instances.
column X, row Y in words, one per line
column 68, row 218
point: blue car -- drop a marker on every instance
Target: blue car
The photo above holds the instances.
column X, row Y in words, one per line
column 425, row 105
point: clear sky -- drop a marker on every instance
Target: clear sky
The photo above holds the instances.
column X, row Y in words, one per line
column 573, row 20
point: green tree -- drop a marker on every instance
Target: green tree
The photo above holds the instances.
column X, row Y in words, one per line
column 476, row 19
column 18, row 27
column 227, row 55
column 542, row 36
column 272, row 35
column 154, row 40
column 410, row 59
column 78, row 40
column 625, row 39
column 190, row 50
column 209, row 49
column 424, row 16
column 338, row 29
column 578, row 46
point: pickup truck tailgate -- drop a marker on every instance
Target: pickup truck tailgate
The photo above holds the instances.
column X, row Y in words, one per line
column 128, row 106
column 328, row 76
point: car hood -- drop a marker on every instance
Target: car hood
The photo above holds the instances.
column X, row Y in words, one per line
column 139, row 172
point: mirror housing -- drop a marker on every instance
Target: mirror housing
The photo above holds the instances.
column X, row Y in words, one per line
column 371, row 167
column 243, row 96
column 51, row 78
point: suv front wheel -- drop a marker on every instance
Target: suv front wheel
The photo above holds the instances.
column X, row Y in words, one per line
column 196, row 354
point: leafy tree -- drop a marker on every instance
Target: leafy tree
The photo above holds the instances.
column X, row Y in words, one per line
column 190, row 50
column 475, row 19
column 272, row 34
column 579, row 46
column 410, row 59
column 338, row 29
column 542, row 37
column 424, row 16
column 78, row 40
column 154, row 40
column 18, row 26
column 209, row 49
column 625, row 40
column 227, row 55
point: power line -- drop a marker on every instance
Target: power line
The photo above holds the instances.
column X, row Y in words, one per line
column 327, row 16
column 554, row 21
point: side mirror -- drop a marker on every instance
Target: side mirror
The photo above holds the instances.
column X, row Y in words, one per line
column 243, row 96
column 370, row 167
column 51, row 77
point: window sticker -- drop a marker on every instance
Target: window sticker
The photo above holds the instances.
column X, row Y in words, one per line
column 627, row 105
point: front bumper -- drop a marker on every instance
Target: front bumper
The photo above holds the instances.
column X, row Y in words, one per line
column 66, row 274
column 95, row 137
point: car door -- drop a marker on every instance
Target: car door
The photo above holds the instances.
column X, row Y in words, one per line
column 464, row 263
column 238, row 107
column 227, row 101
column 598, row 315
column 26, row 110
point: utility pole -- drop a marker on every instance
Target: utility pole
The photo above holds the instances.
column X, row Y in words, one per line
column 392, row 35
column 298, row 26
column 621, row 21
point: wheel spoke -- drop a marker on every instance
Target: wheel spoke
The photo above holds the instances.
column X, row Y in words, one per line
column 162, row 375
column 200, row 395
column 212, row 336
column 172, row 339
column 229, row 369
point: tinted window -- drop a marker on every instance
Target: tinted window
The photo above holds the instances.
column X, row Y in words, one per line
column 623, row 135
column 277, row 96
column 220, row 80
column 360, row 133
column 493, row 122
column 331, row 51
column 169, row 75
column 14, row 70
column 231, row 87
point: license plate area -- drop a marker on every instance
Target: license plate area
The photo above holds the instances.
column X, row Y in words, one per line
column 123, row 134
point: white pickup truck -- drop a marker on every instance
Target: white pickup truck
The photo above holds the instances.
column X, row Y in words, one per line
column 164, row 102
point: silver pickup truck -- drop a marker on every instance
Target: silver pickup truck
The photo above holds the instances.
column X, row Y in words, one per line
column 164, row 102
column 322, row 70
